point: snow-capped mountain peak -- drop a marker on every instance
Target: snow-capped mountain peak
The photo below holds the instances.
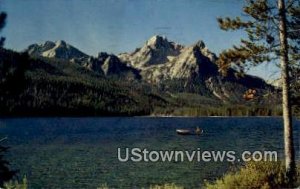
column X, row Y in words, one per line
column 60, row 49
column 157, row 50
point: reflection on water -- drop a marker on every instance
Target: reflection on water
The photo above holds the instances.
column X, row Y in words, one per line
column 82, row 152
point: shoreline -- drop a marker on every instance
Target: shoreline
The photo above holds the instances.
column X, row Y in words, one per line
column 137, row 116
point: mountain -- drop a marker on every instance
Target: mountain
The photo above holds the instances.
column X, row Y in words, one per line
column 178, row 68
column 157, row 50
column 59, row 49
column 111, row 65
column 160, row 78
column 166, row 65
column 185, row 64
column 106, row 64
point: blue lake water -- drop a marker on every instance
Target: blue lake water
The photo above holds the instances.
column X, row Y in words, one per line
column 82, row 152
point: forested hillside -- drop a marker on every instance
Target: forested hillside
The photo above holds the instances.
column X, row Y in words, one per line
column 32, row 86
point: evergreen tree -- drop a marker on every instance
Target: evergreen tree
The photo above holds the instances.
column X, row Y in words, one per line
column 273, row 35
column 5, row 173
column 2, row 23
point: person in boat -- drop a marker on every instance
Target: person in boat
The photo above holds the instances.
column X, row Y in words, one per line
column 198, row 131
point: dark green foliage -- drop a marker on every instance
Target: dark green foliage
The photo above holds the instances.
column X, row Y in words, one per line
column 9, row 72
column 2, row 24
column 12, row 70
column 261, row 26
column 224, row 110
column 12, row 77
column 254, row 175
column 295, row 90
column 2, row 20
column 5, row 173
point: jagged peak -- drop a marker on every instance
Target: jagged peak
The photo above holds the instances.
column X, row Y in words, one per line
column 60, row 43
column 103, row 54
column 59, row 49
column 200, row 44
column 48, row 43
column 51, row 44
column 157, row 40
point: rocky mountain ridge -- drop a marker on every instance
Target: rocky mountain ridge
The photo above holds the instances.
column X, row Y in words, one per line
column 59, row 49
column 167, row 65
column 104, row 63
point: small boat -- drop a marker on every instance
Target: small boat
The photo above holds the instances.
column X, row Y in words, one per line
column 184, row 131
column 198, row 131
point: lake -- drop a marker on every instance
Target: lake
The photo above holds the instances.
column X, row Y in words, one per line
column 83, row 152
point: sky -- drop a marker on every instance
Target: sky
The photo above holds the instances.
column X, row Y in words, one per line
column 117, row 26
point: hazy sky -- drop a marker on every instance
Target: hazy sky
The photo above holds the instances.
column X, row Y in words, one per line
column 116, row 26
